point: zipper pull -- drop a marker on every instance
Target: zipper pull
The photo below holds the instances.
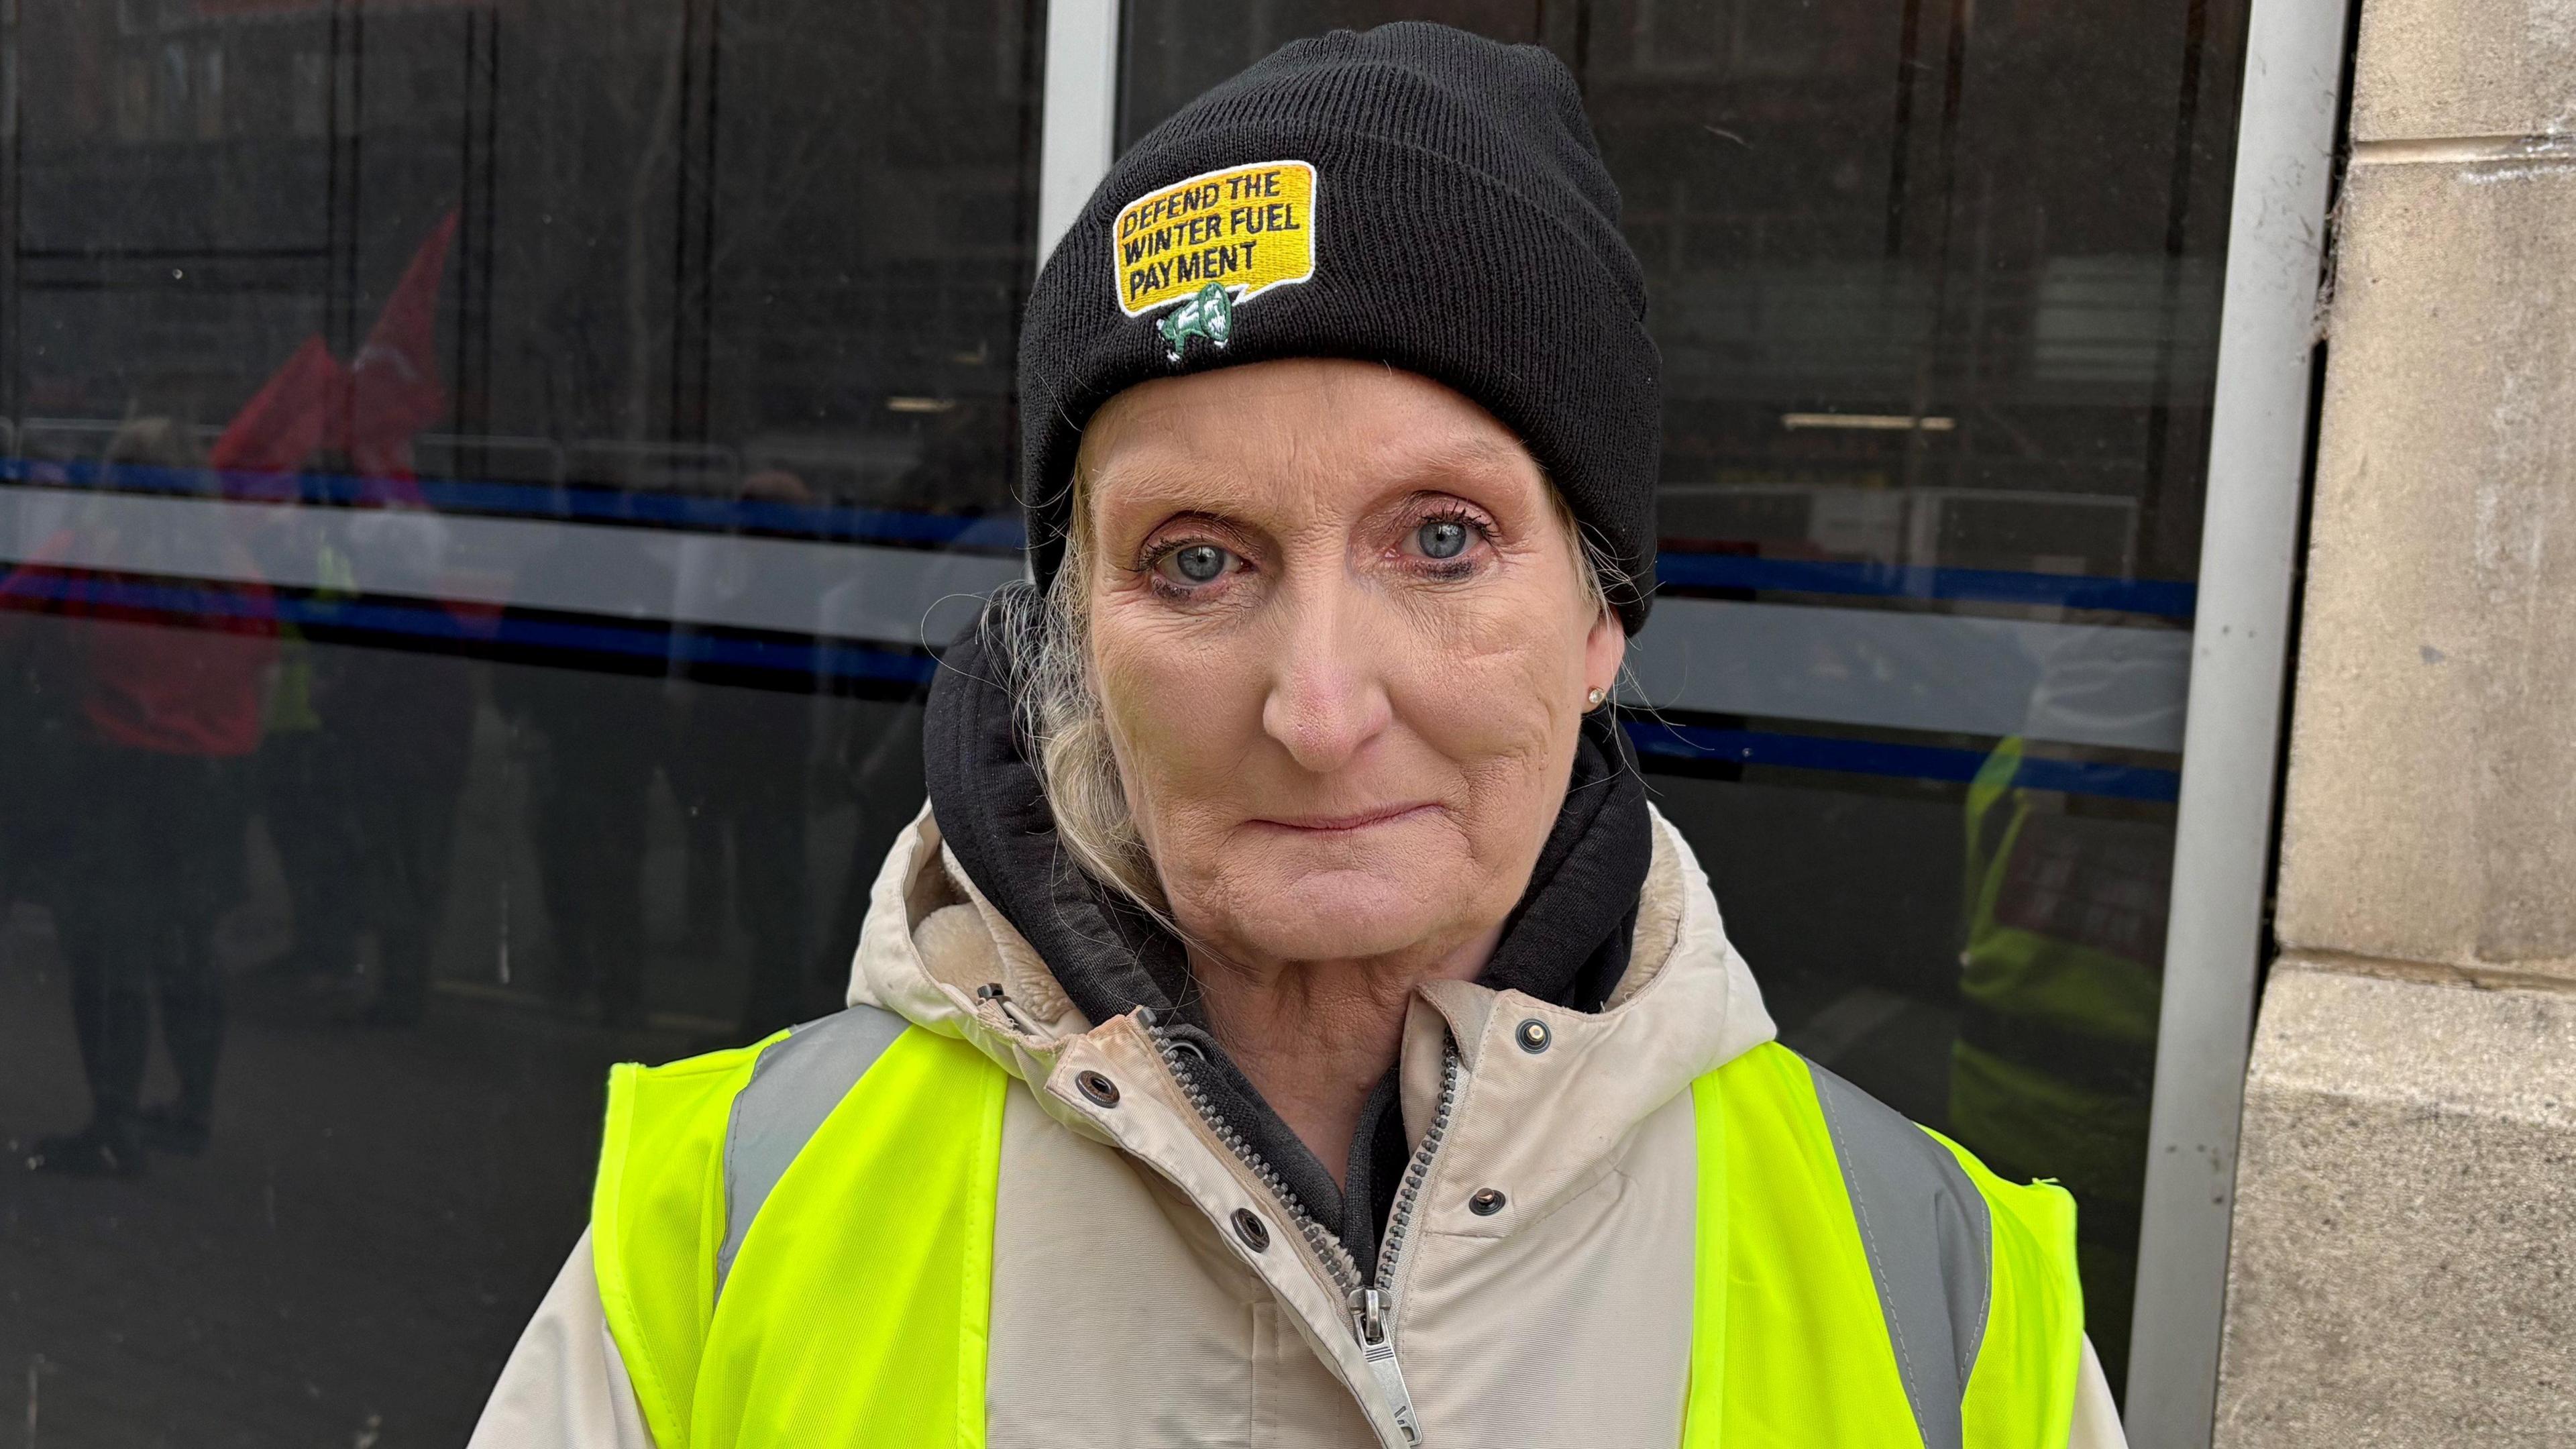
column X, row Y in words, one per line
column 992, row 991
column 1371, row 1319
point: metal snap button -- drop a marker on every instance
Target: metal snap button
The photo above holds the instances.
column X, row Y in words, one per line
column 1533, row 1036
column 1097, row 1087
column 1486, row 1202
column 1249, row 1227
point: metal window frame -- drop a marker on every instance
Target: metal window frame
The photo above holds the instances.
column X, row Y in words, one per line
column 2292, row 102
column 1078, row 111
column 2260, row 420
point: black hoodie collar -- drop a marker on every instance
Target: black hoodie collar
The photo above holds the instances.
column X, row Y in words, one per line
column 1566, row 942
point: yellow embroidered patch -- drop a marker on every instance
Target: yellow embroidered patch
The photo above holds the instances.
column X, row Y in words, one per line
column 1244, row 230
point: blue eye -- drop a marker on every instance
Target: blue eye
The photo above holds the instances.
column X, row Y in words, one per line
column 1442, row 538
column 1199, row 562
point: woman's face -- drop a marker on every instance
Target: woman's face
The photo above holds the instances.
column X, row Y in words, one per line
column 1340, row 632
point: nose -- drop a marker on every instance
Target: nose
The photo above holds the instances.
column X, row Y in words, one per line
column 1328, row 696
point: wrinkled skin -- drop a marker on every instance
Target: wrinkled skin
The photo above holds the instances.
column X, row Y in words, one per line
column 1340, row 631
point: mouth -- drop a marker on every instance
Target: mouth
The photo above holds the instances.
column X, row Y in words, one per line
column 1346, row 824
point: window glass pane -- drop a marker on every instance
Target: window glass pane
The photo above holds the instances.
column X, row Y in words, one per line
column 1936, row 287
column 475, row 479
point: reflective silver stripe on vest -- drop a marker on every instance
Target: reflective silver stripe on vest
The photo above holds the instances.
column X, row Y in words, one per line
column 793, row 1087
column 1926, row 1229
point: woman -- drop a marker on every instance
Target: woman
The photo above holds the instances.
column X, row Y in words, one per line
column 1289, row 1024
column 161, row 727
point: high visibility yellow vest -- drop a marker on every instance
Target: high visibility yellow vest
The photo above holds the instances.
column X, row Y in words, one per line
column 794, row 1246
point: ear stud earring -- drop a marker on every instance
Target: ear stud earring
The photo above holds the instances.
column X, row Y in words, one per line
column 1592, row 698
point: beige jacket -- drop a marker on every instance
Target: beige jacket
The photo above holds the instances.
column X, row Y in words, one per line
column 1124, row 1316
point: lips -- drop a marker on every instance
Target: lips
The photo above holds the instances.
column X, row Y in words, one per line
column 1344, row 824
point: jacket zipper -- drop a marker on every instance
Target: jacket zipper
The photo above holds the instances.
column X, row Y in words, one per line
column 1373, row 1308
column 1371, row 1304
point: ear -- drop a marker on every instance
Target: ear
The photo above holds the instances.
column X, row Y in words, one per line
column 1604, row 650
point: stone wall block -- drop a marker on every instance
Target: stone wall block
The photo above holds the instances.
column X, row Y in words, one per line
column 2431, row 809
column 2458, row 68
column 2403, row 1269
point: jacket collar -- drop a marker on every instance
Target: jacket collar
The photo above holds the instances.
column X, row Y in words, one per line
column 932, row 948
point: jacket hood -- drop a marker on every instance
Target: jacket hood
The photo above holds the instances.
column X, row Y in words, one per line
column 933, row 948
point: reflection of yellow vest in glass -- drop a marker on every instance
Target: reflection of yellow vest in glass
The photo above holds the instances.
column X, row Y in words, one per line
column 850, row 1305
column 290, row 691
column 2054, row 1067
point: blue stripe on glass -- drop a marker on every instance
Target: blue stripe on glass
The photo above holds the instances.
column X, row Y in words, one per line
column 1901, row 761
column 1004, row 533
column 824, row 658
column 2160, row 597
column 837, row 659
column 92, row 592
column 568, row 503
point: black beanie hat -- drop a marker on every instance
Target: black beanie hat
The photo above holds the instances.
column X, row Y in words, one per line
column 1412, row 195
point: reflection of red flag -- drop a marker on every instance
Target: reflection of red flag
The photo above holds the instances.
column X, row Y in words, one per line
column 394, row 388
column 369, row 409
column 292, row 414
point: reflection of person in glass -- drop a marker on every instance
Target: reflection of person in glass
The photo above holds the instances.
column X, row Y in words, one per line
column 366, row 756
column 1290, row 1022
column 305, row 791
column 2059, row 984
column 169, row 713
column 739, row 763
column 405, row 720
column 591, row 780
column 368, row 748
